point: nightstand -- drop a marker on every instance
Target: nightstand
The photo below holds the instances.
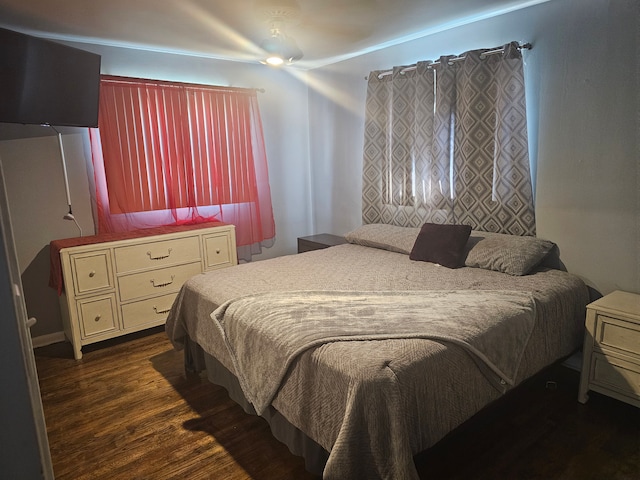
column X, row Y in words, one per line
column 317, row 242
column 611, row 352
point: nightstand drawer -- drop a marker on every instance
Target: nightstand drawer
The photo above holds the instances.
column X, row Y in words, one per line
column 617, row 334
column 616, row 374
column 157, row 254
column 155, row 282
column 91, row 272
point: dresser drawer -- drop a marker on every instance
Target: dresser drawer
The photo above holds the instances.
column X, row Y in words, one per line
column 155, row 282
column 617, row 334
column 97, row 315
column 616, row 374
column 157, row 254
column 91, row 272
column 143, row 312
column 217, row 250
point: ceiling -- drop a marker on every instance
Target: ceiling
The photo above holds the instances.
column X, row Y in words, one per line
column 327, row 31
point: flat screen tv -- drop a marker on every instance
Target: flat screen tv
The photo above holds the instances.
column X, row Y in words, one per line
column 47, row 83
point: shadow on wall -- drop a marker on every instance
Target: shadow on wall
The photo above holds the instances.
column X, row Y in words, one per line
column 553, row 260
column 41, row 300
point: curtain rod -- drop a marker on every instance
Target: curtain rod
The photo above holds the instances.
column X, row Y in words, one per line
column 171, row 83
column 525, row 46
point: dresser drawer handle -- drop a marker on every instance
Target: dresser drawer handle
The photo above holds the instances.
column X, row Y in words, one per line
column 161, row 257
column 97, row 319
column 164, row 284
column 218, row 251
column 160, row 312
column 92, row 273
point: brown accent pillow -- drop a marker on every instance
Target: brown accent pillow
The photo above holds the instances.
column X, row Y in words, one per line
column 442, row 244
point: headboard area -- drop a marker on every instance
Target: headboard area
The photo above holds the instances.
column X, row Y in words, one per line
column 511, row 254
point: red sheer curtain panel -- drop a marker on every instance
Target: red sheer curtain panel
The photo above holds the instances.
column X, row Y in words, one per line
column 170, row 153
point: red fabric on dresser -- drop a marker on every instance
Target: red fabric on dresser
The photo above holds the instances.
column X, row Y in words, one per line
column 55, row 270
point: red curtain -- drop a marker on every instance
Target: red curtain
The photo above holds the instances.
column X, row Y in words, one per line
column 171, row 153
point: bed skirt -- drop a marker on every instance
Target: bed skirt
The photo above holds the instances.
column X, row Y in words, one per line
column 315, row 457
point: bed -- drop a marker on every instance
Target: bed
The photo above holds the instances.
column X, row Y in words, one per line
column 360, row 356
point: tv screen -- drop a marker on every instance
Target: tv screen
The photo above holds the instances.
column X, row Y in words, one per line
column 44, row 82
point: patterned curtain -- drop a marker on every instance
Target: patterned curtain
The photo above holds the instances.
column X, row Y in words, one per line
column 447, row 143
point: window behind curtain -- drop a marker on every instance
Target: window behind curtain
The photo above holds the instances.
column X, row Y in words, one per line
column 171, row 153
column 447, row 143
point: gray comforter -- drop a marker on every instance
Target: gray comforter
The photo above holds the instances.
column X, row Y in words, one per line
column 374, row 403
column 494, row 326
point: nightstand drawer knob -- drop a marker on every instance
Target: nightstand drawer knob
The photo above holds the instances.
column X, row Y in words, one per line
column 98, row 317
column 92, row 273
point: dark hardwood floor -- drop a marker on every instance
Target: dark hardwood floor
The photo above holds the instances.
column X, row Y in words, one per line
column 128, row 411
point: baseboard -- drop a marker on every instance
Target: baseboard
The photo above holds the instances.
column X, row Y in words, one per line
column 44, row 340
column 574, row 362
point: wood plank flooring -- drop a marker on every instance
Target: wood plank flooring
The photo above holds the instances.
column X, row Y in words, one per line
column 128, row 411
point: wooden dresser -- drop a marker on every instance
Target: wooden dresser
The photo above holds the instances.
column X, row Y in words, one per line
column 611, row 352
column 117, row 287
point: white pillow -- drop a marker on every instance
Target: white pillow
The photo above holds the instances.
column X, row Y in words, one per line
column 386, row 237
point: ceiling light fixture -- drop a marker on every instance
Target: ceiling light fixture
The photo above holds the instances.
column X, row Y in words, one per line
column 280, row 48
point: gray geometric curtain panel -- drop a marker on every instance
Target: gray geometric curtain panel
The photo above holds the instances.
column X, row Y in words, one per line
column 447, row 143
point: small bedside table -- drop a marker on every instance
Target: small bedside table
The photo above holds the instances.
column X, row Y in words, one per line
column 317, row 242
column 611, row 353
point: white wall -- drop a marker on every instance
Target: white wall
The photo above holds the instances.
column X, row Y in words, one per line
column 33, row 169
column 583, row 96
column 37, row 203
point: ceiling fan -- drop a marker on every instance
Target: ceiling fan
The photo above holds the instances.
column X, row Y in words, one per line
column 280, row 48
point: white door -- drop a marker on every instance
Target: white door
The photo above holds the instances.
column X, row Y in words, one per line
column 24, row 448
